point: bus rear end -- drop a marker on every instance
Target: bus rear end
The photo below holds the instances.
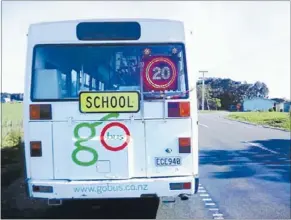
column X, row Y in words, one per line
column 108, row 112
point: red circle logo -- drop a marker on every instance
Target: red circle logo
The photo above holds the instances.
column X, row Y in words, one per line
column 115, row 124
column 160, row 73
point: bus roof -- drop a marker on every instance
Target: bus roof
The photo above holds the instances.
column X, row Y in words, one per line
column 107, row 20
column 152, row 30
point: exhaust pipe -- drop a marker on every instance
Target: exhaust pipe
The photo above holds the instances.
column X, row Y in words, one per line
column 184, row 197
column 54, row 202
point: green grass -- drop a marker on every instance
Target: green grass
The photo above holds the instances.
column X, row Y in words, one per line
column 12, row 111
column 12, row 159
column 11, row 124
column 273, row 119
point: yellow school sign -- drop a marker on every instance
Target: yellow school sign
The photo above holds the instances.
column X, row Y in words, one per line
column 109, row 102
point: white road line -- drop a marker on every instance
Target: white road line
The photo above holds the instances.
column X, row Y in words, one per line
column 260, row 146
column 203, row 125
column 210, row 204
column 217, row 214
column 220, row 217
column 204, row 195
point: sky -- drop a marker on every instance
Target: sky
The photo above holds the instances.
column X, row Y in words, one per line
column 241, row 40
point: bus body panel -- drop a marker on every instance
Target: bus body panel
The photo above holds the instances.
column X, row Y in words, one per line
column 41, row 167
column 132, row 188
column 192, row 76
column 123, row 164
column 26, row 103
column 151, row 110
column 162, row 135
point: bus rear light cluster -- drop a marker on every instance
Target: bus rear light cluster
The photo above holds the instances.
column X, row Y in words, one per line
column 180, row 186
column 42, row 189
column 40, row 112
column 185, row 145
column 178, row 109
column 35, row 149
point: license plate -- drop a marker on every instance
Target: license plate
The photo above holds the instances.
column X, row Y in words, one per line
column 109, row 102
column 168, row 161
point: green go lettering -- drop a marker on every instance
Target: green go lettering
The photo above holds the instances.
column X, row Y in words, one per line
column 80, row 147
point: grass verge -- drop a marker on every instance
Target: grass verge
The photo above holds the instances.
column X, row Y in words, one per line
column 11, row 124
column 273, row 119
column 12, row 157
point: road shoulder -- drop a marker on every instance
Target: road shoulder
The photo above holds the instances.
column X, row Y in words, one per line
column 16, row 204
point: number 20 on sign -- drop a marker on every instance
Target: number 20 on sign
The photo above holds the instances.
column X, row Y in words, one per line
column 160, row 73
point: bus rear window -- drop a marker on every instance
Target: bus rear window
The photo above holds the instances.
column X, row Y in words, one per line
column 61, row 72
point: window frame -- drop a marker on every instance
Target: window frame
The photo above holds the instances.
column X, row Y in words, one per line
column 76, row 99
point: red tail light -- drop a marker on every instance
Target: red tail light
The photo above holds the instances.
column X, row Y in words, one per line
column 40, row 112
column 35, row 149
column 187, row 185
column 185, row 145
column 178, row 109
column 184, row 109
column 180, row 186
column 42, row 189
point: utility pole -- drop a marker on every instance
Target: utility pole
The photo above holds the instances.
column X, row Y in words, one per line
column 203, row 72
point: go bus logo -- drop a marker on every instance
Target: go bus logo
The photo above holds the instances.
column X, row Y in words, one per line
column 91, row 126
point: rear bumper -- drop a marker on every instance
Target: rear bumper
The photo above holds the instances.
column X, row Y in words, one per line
column 132, row 188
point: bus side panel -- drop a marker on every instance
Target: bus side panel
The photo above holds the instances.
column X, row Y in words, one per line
column 41, row 167
column 26, row 101
column 26, row 143
column 195, row 135
column 192, row 76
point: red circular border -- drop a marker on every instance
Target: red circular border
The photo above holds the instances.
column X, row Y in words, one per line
column 121, row 147
column 170, row 63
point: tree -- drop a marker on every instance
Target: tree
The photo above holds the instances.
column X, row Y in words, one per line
column 231, row 92
column 218, row 103
column 207, row 95
column 258, row 89
column 214, row 103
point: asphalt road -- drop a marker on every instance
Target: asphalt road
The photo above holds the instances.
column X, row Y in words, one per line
column 245, row 169
column 244, row 174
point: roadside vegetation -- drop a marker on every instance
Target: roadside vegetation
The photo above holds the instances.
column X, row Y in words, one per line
column 11, row 142
column 11, row 124
column 273, row 119
column 220, row 93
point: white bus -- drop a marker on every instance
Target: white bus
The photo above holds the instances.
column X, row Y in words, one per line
column 108, row 110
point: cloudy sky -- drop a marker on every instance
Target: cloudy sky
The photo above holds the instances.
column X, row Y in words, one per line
column 243, row 40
